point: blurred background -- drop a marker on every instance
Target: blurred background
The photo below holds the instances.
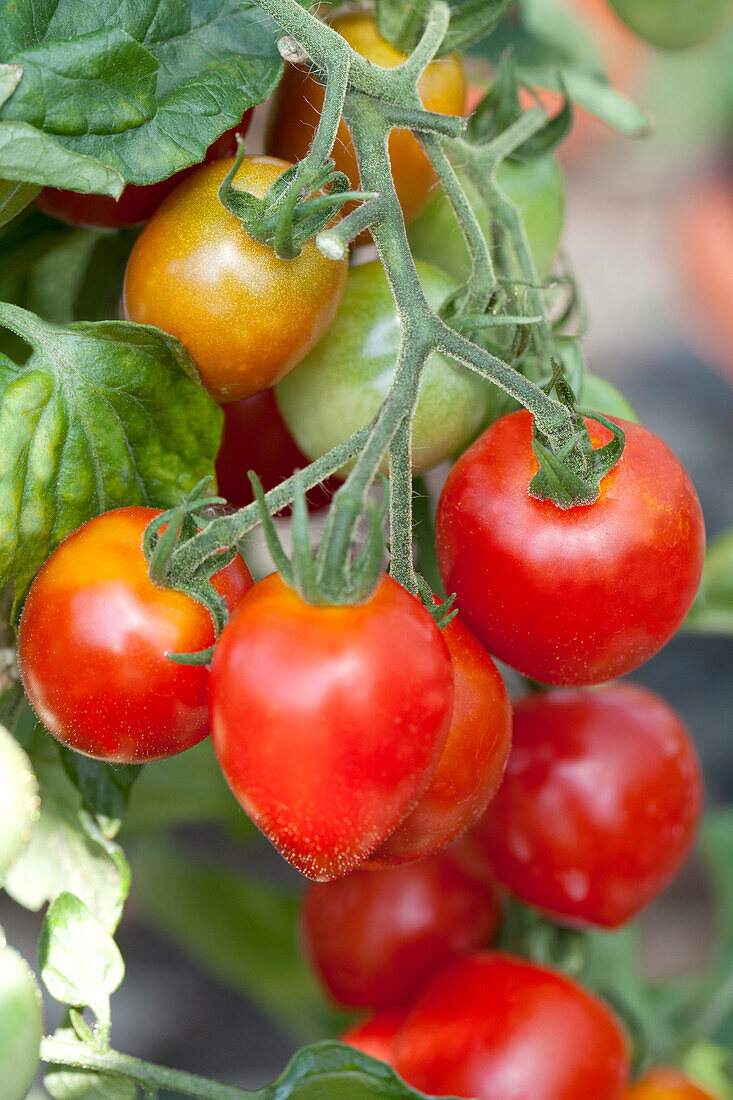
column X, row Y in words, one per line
column 649, row 235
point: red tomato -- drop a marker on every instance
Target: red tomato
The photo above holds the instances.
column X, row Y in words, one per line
column 574, row 596
column 473, row 762
column 137, row 202
column 376, row 937
column 329, row 721
column 376, row 1035
column 599, row 805
column 93, row 640
column 255, row 438
column 665, row 1084
column 500, row 1028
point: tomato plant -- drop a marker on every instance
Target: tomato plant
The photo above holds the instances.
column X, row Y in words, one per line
column 674, row 26
column 18, row 801
column 375, row 937
column 21, row 1024
column 246, row 317
column 573, row 596
column 94, row 605
column 554, row 842
column 495, row 1027
column 365, row 690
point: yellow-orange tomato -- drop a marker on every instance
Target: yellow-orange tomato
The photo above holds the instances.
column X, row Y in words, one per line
column 246, row 316
column 665, row 1084
column 300, row 100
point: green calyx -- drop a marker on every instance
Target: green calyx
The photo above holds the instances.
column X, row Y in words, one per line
column 571, row 468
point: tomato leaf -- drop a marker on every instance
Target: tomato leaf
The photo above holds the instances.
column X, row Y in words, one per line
column 67, row 850
column 78, row 1084
column 104, row 788
column 472, row 20
column 126, row 92
column 712, row 611
column 101, row 415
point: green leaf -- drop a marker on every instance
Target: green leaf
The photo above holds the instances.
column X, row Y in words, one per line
column 79, row 1084
column 104, row 788
column 712, row 611
column 472, row 20
column 80, row 962
column 241, row 930
column 143, row 88
column 68, row 850
column 32, row 156
column 14, row 197
column 101, row 415
column 21, row 1024
column 19, row 802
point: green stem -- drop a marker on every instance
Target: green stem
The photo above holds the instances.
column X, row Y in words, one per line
column 400, row 508
column 404, row 39
column 427, row 560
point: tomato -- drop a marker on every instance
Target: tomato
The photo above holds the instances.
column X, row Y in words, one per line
column 341, row 385
column 536, row 189
column 674, row 24
column 473, row 761
column 376, row 1035
column 500, row 1028
column 574, row 596
column 255, row 438
column 329, row 721
column 137, row 202
column 21, row 1024
column 19, row 803
column 299, row 101
column 599, row 804
column 245, row 316
column 376, row 937
column 665, row 1084
column 93, row 640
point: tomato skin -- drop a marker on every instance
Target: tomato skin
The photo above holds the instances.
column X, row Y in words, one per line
column 599, row 805
column 93, row 639
column 246, row 316
column 674, row 24
column 376, row 1036
column 341, row 385
column 375, row 937
column 255, row 438
column 299, row 101
column 21, row 1024
column 574, row 596
column 473, row 761
column 356, row 700
column 534, row 186
column 19, row 802
column 665, row 1084
column 138, row 201
column 495, row 1027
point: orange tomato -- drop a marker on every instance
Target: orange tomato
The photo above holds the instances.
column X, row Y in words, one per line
column 665, row 1084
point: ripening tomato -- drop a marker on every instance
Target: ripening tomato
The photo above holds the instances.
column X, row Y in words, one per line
column 574, row 596
column 21, row 1024
column 376, row 1036
column 94, row 638
column 19, row 802
column 664, row 1084
column 341, row 385
column 500, row 1028
column 246, row 316
column 674, row 24
column 137, row 202
column 329, row 721
column 599, row 805
column 299, row 101
column 534, row 186
column 473, row 761
column 255, row 438
column 376, row 937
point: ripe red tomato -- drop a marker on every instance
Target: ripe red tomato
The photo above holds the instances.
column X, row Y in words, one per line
column 246, row 316
column 255, row 438
column 376, row 937
column 664, row 1084
column 329, row 721
column 377, row 1034
column 299, row 101
column 599, row 804
column 93, row 640
column 137, row 202
column 473, row 761
column 499, row 1028
column 577, row 596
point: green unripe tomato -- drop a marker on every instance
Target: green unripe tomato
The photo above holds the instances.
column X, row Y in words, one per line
column 674, row 24
column 340, row 385
column 21, row 1025
column 600, row 396
column 18, row 801
column 534, row 186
